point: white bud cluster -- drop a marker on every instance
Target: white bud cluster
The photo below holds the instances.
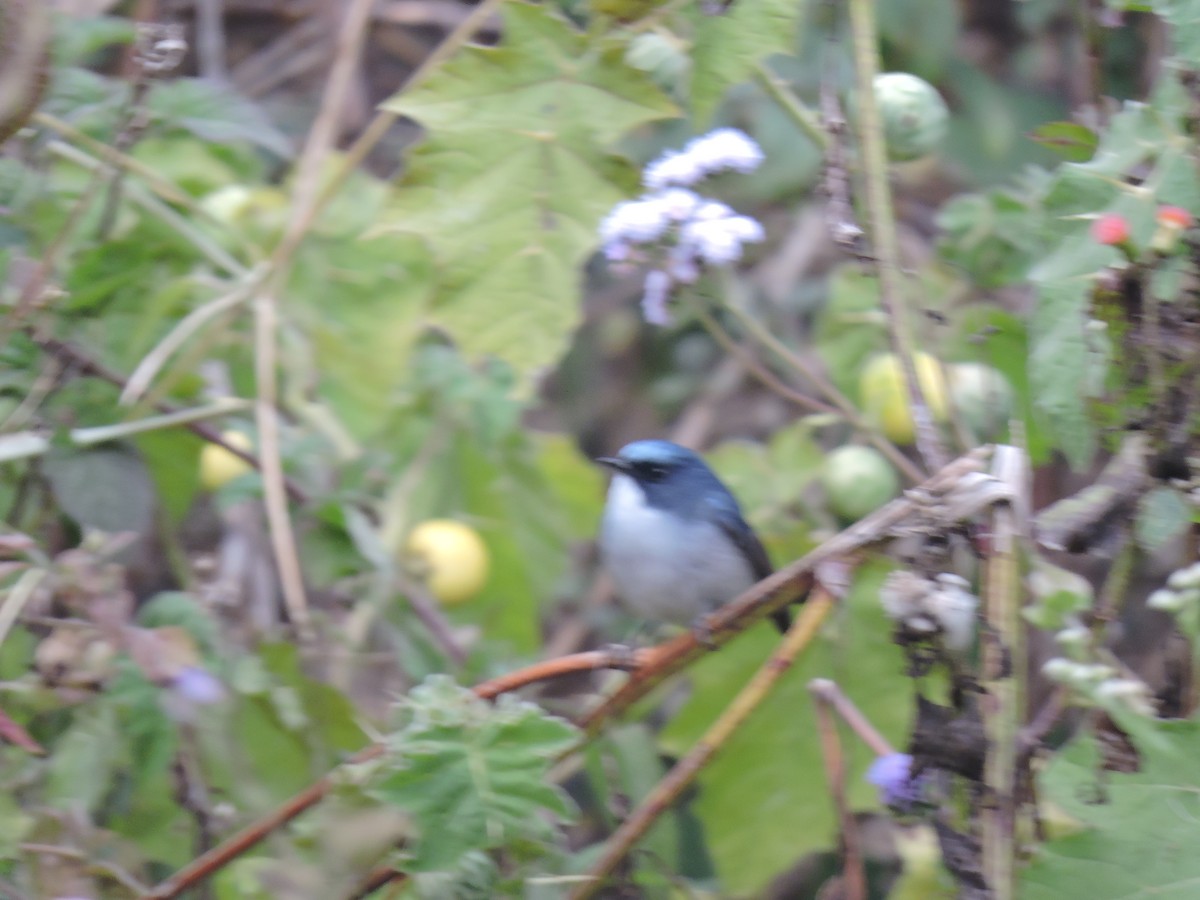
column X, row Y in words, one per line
column 1101, row 684
column 928, row 606
column 678, row 229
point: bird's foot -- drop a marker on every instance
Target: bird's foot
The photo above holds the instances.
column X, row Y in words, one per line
column 623, row 656
column 703, row 633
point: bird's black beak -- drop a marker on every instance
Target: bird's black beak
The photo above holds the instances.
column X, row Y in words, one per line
column 613, row 462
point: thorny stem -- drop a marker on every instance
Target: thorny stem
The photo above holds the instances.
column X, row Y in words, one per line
column 1003, row 673
column 882, row 224
column 667, row 791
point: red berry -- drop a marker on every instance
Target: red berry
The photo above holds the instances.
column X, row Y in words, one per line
column 1111, row 229
column 1175, row 216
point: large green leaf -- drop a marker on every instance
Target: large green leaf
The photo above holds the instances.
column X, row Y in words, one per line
column 1141, row 829
column 764, row 801
column 471, row 774
column 727, row 47
column 513, row 179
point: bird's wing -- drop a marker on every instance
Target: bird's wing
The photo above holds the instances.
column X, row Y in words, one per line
column 729, row 518
column 744, row 538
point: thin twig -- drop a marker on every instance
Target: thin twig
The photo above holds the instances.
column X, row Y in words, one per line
column 266, row 311
column 88, row 366
column 854, row 879
column 830, row 694
column 756, row 368
column 764, row 336
column 883, row 224
column 780, row 91
column 667, row 791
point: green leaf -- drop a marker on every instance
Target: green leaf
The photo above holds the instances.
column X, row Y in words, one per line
column 1072, row 141
column 361, row 300
column 1140, row 829
column 107, row 488
column 215, row 112
column 511, row 183
column 471, row 774
column 727, row 47
column 85, row 758
column 1061, row 364
column 763, row 801
column 185, row 611
column 1162, row 515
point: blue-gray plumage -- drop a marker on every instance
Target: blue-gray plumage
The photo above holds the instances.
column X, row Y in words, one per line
column 673, row 537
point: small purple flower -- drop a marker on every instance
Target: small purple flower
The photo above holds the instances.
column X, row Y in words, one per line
column 892, row 774
column 656, row 290
column 197, row 685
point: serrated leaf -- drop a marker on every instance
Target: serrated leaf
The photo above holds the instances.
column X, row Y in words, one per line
column 513, row 179
column 727, row 47
column 1140, row 828
column 471, row 774
column 107, row 488
column 1060, row 361
column 761, row 800
column 1162, row 515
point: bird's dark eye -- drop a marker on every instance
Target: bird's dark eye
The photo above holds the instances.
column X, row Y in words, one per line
column 653, row 471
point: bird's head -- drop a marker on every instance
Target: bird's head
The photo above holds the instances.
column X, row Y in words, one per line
column 670, row 476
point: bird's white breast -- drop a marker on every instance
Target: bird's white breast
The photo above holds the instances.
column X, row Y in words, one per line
column 666, row 567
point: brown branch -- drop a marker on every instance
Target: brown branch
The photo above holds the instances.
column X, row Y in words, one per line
column 653, row 665
column 208, row 864
column 854, row 879
column 80, row 361
column 667, row 791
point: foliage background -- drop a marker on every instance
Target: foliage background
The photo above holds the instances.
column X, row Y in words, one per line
column 441, row 340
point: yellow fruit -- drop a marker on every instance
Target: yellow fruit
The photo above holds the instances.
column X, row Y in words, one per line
column 884, row 394
column 452, row 558
column 218, row 466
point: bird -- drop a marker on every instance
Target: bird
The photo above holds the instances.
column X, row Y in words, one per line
column 673, row 537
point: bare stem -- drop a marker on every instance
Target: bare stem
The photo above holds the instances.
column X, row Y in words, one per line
column 882, row 224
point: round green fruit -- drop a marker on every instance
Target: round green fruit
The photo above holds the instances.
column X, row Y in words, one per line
column 857, row 481
column 915, row 117
column 982, row 397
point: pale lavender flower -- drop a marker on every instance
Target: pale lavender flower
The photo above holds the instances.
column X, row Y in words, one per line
column 197, row 685
column 655, row 292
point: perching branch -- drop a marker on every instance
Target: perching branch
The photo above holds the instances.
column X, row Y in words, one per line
column 667, row 791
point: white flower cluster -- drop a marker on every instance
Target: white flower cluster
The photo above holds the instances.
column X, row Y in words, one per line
column 1101, row 684
column 1181, row 593
column 676, row 227
column 717, row 151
